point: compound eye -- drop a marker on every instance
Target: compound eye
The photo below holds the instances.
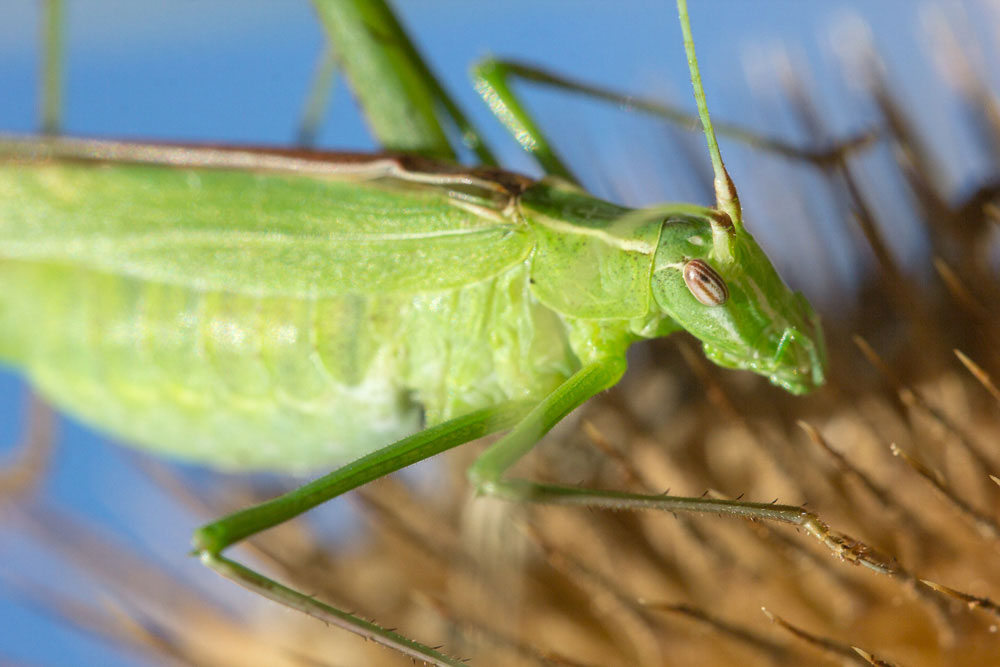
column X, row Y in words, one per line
column 705, row 284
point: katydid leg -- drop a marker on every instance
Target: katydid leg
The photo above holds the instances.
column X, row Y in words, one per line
column 211, row 539
column 487, row 474
column 218, row 535
column 53, row 45
column 258, row 583
column 318, row 99
column 493, row 80
column 38, row 436
column 404, row 103
column 373, row 53
column 31, row 455
column 521, row 490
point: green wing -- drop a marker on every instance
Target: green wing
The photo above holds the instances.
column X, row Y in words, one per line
column 259, row 231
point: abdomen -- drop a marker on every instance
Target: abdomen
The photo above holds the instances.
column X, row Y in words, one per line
column 274, row 383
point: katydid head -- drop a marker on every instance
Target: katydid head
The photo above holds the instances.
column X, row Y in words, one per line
column 716, row 282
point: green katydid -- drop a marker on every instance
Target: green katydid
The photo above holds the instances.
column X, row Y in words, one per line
column 289, row 309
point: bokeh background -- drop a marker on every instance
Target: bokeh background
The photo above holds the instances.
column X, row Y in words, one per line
column 239, row 71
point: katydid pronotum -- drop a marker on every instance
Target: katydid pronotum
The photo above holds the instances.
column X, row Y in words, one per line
column 290, row 309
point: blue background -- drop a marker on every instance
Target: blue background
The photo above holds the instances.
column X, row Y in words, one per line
column 237, row 71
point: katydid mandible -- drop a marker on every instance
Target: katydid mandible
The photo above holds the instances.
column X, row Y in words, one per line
column 278, row 309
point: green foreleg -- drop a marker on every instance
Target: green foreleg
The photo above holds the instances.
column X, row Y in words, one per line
column 488, row 470
column 485, row 474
